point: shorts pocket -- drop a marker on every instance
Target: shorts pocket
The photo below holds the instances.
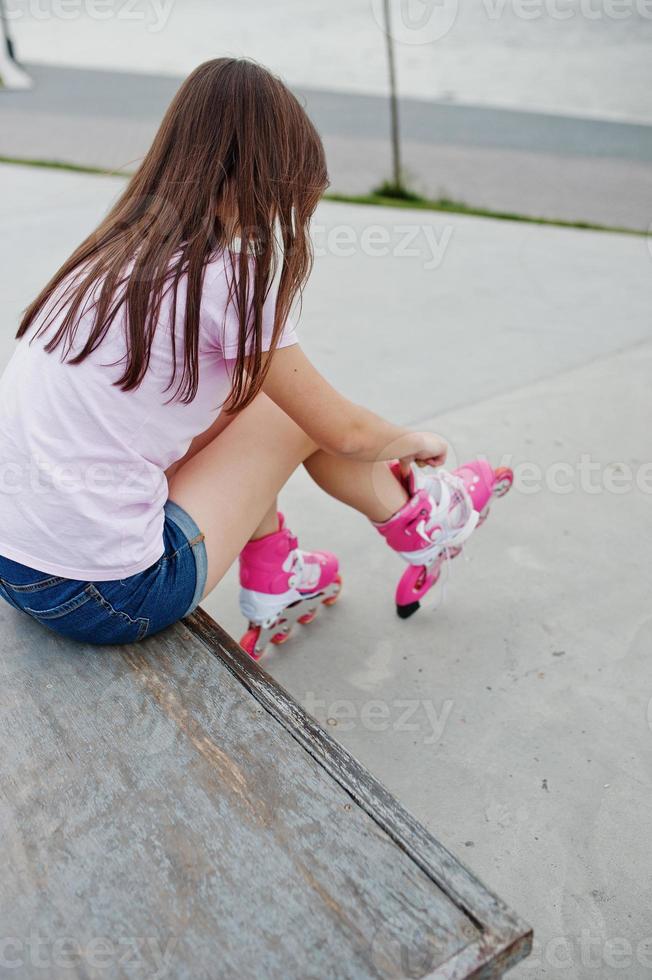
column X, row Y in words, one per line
column 56, row 612
column 129, row 623
column 5, row 595
column 88, row 617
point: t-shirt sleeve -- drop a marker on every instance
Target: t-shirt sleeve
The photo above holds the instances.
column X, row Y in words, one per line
column 222, row 316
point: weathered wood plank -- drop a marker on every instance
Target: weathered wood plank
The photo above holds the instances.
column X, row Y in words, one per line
column 152, row 799
column 504, row 938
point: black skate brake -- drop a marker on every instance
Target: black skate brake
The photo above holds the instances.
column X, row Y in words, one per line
column 408, row 610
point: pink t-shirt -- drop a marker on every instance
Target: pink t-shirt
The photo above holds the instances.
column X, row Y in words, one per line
column 82, row 463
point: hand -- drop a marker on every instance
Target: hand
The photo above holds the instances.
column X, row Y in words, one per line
column 430, row 450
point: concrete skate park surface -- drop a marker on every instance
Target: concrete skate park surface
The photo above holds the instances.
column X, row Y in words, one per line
column 512, row 716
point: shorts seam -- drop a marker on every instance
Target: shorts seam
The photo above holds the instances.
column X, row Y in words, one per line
column 175, row 554
column 44, row 583
column 198, row 549
column 195, row 539
column 8, row 598
column 141, row 621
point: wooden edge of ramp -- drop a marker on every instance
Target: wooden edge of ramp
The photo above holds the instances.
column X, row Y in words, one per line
column 505, row 938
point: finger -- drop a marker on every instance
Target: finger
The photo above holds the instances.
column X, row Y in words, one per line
column 405, row 467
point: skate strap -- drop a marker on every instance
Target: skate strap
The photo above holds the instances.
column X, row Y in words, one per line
column 451, row 491
column 304, row 573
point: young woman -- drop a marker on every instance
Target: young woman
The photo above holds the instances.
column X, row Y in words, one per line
column 158, row 399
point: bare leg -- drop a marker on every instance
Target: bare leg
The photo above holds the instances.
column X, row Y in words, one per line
column 370, row 488
column 269, row 523
column 229, row 485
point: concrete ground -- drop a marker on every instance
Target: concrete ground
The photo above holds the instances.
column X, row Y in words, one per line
column 513, row 716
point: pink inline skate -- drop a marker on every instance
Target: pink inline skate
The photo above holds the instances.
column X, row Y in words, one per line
column 443, row 511
column 282, row 585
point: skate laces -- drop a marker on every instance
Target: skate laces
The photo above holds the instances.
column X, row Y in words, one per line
column 452, row 511
column 456, row 513
column 440, row 592
column 304, row 574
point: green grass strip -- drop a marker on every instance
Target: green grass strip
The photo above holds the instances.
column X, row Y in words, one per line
column 408, row 202
column 73, row 168
column 458, row 207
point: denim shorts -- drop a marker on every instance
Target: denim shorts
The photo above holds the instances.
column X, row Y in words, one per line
column 122, row 610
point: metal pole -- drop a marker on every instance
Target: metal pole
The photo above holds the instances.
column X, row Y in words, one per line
column 5, row 30
column 12, row 75
column 393, row 99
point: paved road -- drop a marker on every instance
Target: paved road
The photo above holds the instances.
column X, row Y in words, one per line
column 575, row 57
column 514, row 719
column 528, row 163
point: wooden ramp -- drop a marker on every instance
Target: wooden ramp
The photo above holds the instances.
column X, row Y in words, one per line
column 167, row 810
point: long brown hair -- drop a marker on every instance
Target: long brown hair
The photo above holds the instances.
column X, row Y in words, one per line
column 235, row 153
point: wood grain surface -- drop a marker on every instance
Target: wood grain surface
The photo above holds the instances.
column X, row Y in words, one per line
column 163, row 813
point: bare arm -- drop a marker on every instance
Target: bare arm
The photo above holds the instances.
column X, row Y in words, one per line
column 337, row 425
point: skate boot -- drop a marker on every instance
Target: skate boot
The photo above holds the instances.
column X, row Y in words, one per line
column 280, row 585
column 443, row 511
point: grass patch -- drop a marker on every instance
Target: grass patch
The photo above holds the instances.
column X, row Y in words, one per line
column 387, row 195
column 75, row 168
column 395, row 192
column 444, row 204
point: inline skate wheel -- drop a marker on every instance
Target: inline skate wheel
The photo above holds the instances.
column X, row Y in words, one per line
column 249, row 640
column 504, row 479
column 282, row 637
column 333, row 599
column 308, row 618
column 415, row 582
